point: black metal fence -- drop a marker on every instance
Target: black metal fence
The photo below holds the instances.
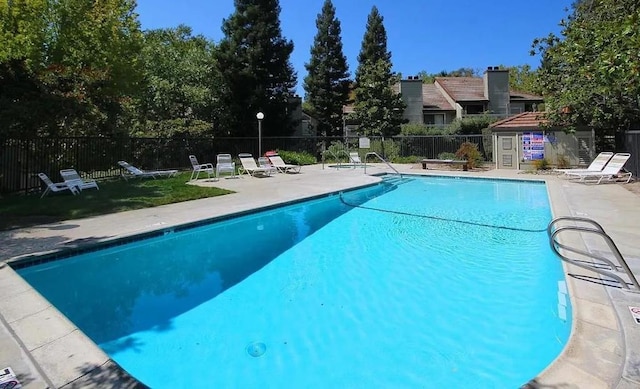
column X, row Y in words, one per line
column 95, row 157
column 632, row 144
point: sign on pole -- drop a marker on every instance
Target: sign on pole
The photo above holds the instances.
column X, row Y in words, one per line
column 364, row 143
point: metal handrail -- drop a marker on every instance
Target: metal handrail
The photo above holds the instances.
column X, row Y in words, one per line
column 598, row 230
column 380, row 158
column 574, row 219
column 335, row 156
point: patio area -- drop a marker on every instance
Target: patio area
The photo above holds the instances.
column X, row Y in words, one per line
column 46, row 350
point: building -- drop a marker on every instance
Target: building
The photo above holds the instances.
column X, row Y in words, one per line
column 450, row 98
column 521, row 139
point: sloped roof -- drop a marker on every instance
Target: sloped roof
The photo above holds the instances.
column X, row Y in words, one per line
column 460, row 89
column 432, row 99
column 517, row 95
column 522, row 120
column 463, row 88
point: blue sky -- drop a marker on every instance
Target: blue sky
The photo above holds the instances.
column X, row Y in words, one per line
column 422, row 35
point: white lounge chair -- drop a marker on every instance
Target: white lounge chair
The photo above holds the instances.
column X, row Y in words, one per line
column 355, row 158
column 225, row 164
column 250, row 167
column 72, row 178
column 613, row 170
column 139, row 173
column 266, row 163
column 199, row 168
column 283, row 167
column 55, row 186
column 596, row 165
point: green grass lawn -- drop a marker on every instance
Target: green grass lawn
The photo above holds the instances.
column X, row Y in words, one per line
column 114, row 196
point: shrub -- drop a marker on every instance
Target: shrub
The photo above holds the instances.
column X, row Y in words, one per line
column 541, row 164
column 469, row 151
column 562, row 162
column 391, row 149
column 337, row 150
column 297, row 157
column 447, row 155
column 470, row 125
column 412, row 129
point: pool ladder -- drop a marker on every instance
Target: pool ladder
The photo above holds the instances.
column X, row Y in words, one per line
column 592, row 228
column 338, row 161
column 381, row 159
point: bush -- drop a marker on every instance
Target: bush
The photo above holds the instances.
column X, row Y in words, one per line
column 296, row 157
column 413, row 129
column 562, row 162
column 541, row 164
column 447, row 155
column 337, row 150
column 470, row 125
column 391, row 149
column 469, row 152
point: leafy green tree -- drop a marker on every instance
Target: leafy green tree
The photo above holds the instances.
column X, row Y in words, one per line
column 591, row 75
column 253, row 61
column 461, row 72
column 100, row 35
column 23, row 31
column 180, row 76
column 327, row 82
column 378, row 108
column 26, row 109
column 523, row 79
column 80, row 65
column 22, row 101
column 93, row 58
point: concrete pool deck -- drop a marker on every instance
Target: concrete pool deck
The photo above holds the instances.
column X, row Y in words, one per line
column 45, row 350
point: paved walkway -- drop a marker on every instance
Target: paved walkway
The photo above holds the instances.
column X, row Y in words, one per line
column 46, row 350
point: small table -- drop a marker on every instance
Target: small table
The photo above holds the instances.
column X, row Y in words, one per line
column 464, row 165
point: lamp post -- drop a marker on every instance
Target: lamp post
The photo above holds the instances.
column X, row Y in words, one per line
column 260, row 116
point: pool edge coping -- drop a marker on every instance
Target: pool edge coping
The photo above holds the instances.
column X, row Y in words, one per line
column 546, row 376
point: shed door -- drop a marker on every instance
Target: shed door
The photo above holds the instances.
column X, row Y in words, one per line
column 507, row 151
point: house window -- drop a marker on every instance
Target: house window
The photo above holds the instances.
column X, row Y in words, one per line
column 474, row 109
column 435, row 119
column 516, row 110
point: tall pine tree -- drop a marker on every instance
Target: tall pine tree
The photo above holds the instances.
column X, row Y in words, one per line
column 327, row 82
column 253, row 60
column 378, row 108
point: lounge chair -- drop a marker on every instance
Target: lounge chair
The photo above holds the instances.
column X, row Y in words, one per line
column 355, row 158
column 283, row 167
column 55, row 186
column 250, row 167
column 266, row 163
column 72, row 178
column 139, row 173
column 613, row 170
column 596, row 165
column 199, row 168
column 225, row 164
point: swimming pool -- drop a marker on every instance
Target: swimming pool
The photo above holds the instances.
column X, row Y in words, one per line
column 439, row 283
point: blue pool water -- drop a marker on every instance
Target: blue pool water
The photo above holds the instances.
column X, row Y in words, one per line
column 438, row 283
